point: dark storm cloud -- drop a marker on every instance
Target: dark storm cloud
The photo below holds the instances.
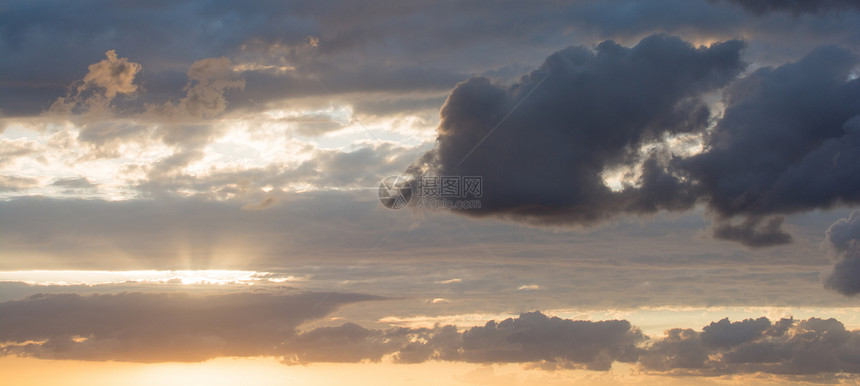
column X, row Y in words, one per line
column 148, row 327
column 843, row 238
column 787, row 142
column 581, row 113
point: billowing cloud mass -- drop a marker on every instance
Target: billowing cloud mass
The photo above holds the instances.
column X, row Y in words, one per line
column 580, row 114
column 787, row 141
column 146, row 327
column 843, row 238
column 784, row 347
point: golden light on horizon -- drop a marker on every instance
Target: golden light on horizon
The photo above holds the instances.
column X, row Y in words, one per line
column 187, row 277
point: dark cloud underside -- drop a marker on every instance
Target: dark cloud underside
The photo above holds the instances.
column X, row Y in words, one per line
column 148, row 327
column 786, row 143
column 585, row 112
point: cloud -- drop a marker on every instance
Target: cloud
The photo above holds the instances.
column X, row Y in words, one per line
column 157, row 327
column 542, row 144
column 11, row 149
column 186, row 125
column 534, row 337
column 787, row 141
column 104, row 81
column 754, row 231
column 74, row 183
column 152, row 327
column 208, row 80
column 360, row 51
column 843, row 238
column 797, row 7
column 345, row 343
column 786, row 347
column 620, row 265
column 356, row 167
column 16, row 183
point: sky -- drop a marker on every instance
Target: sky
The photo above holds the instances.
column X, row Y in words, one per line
column 465, row 193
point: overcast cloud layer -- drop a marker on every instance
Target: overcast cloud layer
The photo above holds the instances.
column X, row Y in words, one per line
column 636, row 156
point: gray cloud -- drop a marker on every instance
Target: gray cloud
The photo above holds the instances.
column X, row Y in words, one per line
column 786, row 142
column 754, row 231
column 534, row 337
column 148, row 327
column 843, row 238
column 347, row 240
column 785, row 347
column 359, row 47
column 530, row 338
column 595, row 111
column 795, row 7
column 74, row 183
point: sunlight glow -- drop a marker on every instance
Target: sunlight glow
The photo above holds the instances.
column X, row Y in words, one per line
column 186, row 277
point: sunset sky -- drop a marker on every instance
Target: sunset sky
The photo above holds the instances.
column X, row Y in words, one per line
column 190, row 192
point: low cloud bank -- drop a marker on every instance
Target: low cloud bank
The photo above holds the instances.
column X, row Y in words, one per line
column 149, row 327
